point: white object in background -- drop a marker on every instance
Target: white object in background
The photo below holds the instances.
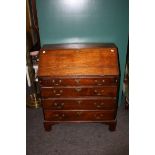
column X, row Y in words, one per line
column 28, row 77
column 35, row 67
column 34, row 53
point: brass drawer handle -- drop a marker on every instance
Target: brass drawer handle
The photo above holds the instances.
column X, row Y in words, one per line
column 99, row 83
column 78, row 89
column 58, row 92
column 95, row 91
column 99, row 105
column 102, row 103
column 98, row 93
column 59, row 116
column 99, row 116
column 56, row 84
column 79, row 113
column 56, row 115
column 58, row 105
column 79, row 102
column 77, row 81
column 55, row 104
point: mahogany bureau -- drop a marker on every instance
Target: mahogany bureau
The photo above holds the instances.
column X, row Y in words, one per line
column 79, row 83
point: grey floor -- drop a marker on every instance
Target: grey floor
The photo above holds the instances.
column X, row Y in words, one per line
column 77, row 139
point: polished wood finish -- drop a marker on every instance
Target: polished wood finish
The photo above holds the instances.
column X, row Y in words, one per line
column 79, row 103
column 76, row 81
column 80, row 115
column 79, row 91
column 75, row 62
column 79, row 83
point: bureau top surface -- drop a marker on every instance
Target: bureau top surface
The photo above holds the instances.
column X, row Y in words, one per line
column 78, row 60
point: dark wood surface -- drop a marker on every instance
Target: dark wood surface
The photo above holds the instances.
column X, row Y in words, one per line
column 77, row 62
column 79, row 103
column 79, row 91
column 79, row 83
column 52, row 115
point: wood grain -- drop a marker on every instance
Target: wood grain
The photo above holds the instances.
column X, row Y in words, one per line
column 79, row 83
column 61, row 62
column 79, row 104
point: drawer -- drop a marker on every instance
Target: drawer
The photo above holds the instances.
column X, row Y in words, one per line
column 79, row 104
column 47, row 82
column 105, row 91
column 79, row 115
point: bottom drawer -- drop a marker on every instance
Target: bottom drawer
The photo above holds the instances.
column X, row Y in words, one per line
column 79, row 115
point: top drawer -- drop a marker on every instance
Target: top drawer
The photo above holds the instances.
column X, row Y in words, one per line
column 48, row 81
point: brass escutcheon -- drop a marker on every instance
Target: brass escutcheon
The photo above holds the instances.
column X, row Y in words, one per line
column 78, row 89
column 79, row 113
column 77, row 81
column 79, row 102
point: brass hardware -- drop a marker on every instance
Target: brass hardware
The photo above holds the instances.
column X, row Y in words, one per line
column 61, row 91
column 77, row 81
column 98, row 93
column 63, row 115
column 99, row 105
column 55, row 104
column 79, row 113
column 59, row 105
column 59, row 116
column 57, row 92
column 56, row 115
column 98, row 116
column 96, row 81
column 56, row 84
column 95, row 91
column 78, row 89
column 112, row 50
column 79, row 102
column 102, row 104
column 99, row 84
column 44, row 52
column 101, row 115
